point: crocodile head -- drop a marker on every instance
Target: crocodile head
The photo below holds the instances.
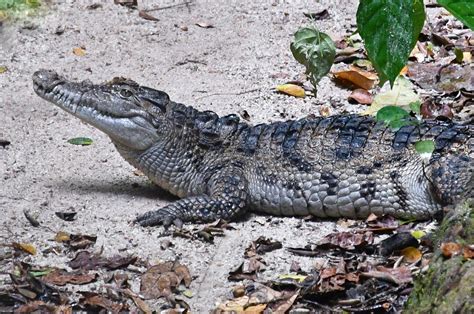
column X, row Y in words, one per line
column 130, row 114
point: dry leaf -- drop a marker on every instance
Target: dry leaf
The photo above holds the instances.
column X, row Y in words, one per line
column 358, row 77
column 204, row 25
column 361, row 96
column 62, row 236
column 468, row 251
column 25, row 247
column 61, row 277
column 449, row 249
column 79, row 51
column 144, row 15
column 291, row 89
column 325, row 111
column 411, row 254
column 3, row 69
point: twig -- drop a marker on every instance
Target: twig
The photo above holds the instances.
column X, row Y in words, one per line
column 185, row 3
column 221, row 94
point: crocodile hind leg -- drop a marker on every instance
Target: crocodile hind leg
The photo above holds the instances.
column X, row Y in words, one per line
column 225, row 200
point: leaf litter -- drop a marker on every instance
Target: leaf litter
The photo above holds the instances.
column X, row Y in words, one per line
column 355, row 271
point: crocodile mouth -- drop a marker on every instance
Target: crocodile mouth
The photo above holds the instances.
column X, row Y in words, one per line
column 77, row 98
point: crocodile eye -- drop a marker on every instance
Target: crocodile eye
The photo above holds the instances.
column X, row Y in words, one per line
column 125, row 93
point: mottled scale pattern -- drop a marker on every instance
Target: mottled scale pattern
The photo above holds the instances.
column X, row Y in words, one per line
column 340, row 166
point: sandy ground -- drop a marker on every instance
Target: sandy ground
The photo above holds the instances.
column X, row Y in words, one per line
column 229, row 68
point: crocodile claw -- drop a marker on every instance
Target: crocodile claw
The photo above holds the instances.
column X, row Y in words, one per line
column 155, row 218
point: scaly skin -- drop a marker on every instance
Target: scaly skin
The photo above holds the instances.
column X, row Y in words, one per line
column 340, row 166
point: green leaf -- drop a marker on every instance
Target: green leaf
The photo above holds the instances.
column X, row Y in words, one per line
column 463, row 10
column 390, row 29
column 425, row 147
column 415, row 106
column 391, row 114
column 315, row 50
column 459, row 55
column 401, row 95
column 418, row 234
column 80, row 141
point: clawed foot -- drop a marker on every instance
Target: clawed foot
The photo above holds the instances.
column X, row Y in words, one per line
column 158, row 217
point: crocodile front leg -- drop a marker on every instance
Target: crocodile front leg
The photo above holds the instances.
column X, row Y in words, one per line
column 226, row 199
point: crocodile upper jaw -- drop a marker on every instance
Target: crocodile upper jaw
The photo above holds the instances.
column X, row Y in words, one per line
column 122, row 120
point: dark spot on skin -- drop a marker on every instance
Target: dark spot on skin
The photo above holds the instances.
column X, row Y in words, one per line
column 332, row 182
column 364, row 170
column 368, row 189
column 377, row 164
column 394, row 175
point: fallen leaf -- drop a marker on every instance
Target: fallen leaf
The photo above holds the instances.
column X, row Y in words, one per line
column 144, row 15
column 90, row 261
column 418, row 234
column 468, row 251
column 3, row 69
column 204, row 25
column 25, row 247
column 261, row 246
column 4, row 143
column 240, row 274
column 66, row 216
column 442, row 78
column 363, row 79
column 397, row 276
column 61, row 277
column 32, row 219
column 450, row 249
column 321, row 15
column 92, row 300
column 325, row 111
column 292, row 90
column 397, row 242
column 411, row 254
column 297, row 278
column 402, row 95
column 79, row 51
column 94, row 6
column 346, row 240
column 62, row 236
column 361, row 96
column 259, row 308
column 162, row 279
column 84, row 141
column 127, row 3
column 432, row 110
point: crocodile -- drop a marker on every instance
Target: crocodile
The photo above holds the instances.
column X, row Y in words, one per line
column 221, row 167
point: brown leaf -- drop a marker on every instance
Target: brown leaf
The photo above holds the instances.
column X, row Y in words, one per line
column 321, row 15
column 431, row 110
column 144, row 15
column 397, row 276
column 347, row 240
column 411, row 254
column 61, row 277
column 90, row 261
column 358, row 77
column 261, row 246
column 239, row 274
column 468, row 251
column 81, row 241
column 292, row 90
column 91, row 300
column 361, row 96
column 382, row 223
column 442, row 78
column 204, row 25
column 449, row 249
column 66, row 216
column 141, row 305
column 62, row 236
column 127, row 3
column 25, row 247
column 79, row 51
column 162, row 279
